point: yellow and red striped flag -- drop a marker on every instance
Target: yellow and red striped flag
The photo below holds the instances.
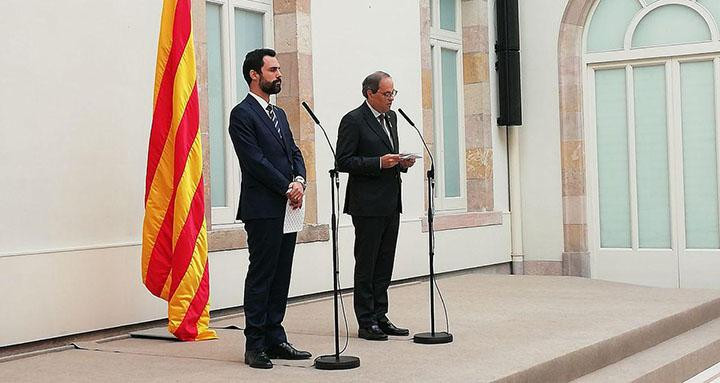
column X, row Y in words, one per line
column 174, row 248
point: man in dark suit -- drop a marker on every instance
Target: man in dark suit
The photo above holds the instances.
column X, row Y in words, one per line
column 367, row 149
column 273, row 173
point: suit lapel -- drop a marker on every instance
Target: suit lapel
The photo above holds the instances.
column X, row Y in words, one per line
column 255, row 106
column 375, row 126
column 285, row 139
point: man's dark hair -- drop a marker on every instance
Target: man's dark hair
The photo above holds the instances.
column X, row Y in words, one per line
column 372, row 82
column 254, row 61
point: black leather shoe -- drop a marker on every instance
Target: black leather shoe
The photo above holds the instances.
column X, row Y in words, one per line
column 287, row 351
column 390, row 329
column 372, row 333
column 257, row 359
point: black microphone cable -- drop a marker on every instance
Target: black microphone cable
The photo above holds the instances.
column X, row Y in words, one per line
column 342, row 303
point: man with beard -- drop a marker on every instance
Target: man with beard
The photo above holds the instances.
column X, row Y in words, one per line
column 273, row 173
column 367, row 148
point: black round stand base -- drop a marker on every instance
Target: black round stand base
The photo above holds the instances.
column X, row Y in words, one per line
column 429, row 338
column 331, row 362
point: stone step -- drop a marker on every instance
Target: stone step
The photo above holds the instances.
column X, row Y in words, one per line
column 584, row 361
column 673, row 361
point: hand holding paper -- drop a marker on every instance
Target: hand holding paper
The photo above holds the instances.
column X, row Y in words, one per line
column 407, row 160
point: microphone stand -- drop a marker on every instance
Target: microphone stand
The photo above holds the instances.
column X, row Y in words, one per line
column 334, row 361
column 432, row 337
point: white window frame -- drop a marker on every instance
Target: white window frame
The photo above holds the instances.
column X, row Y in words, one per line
column 443, row 39
column 628, row 53
column 671, row 56
column 224, row 216
column 436, row 32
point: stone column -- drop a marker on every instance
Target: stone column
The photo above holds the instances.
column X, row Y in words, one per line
column 293, row 43
column 478, row 126
column 576, row 258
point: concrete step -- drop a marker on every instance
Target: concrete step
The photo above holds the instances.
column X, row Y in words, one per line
column 584, row 361
column 673, row 361
column 711, row 375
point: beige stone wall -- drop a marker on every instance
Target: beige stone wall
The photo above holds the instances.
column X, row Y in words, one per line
column 476, row 92
column 476, row 87
column 293, row 43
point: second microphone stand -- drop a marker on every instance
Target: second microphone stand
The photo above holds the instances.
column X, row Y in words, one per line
column 334, row 361
column 432, row 337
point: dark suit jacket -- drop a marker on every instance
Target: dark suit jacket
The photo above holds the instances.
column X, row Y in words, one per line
column 371, row 191
column 268, row 163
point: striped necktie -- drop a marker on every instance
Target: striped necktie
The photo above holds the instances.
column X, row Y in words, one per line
column 273, row 117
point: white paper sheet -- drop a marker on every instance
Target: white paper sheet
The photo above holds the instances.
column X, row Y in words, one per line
column 294, row 218
column 405, row 156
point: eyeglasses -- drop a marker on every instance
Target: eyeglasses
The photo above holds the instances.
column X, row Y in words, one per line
column 389, row 94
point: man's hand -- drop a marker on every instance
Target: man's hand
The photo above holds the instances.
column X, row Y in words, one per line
column 296, row 205
column 295, row 194
column 407, row 162
column 389, row 160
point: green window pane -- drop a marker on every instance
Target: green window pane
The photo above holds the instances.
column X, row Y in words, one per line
column 671, row 24
column 699, row 155
column 448, row 18
column 450, row 120
column 432, row 23
column 714, row 7
column 216, row 105
column 612, row 152
column 651, row 151
column 248, row 36
column 609, row 23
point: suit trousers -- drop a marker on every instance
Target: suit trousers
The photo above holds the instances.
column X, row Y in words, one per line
column 267, row 282
column 375, row 242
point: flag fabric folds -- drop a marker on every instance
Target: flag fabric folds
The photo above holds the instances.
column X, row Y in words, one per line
column 174, row 245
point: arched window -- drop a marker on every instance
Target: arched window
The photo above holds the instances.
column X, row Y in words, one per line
column 625, row 25
column 651, row 96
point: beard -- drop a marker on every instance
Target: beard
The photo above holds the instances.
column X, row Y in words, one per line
column 271, row 87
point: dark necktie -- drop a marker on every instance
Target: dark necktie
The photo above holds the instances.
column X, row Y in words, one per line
column 386, row 127
column 273, row 118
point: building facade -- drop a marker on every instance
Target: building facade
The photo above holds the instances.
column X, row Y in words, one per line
column 613, row 174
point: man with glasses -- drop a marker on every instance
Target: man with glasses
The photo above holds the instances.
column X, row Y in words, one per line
column 367, row 149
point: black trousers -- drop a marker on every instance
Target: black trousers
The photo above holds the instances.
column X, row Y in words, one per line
column 375, row 242
column 267, row 282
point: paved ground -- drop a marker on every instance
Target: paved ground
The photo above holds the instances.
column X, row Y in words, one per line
column 502, row 325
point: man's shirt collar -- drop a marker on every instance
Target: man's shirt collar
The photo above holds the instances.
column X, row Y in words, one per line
column 263, row 103
column 374, row 112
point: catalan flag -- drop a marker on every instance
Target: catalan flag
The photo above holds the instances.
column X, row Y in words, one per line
column 174, row 248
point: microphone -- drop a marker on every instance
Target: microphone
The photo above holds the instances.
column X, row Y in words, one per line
column 317, row 122
column 432, row 160
column 310, row 112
